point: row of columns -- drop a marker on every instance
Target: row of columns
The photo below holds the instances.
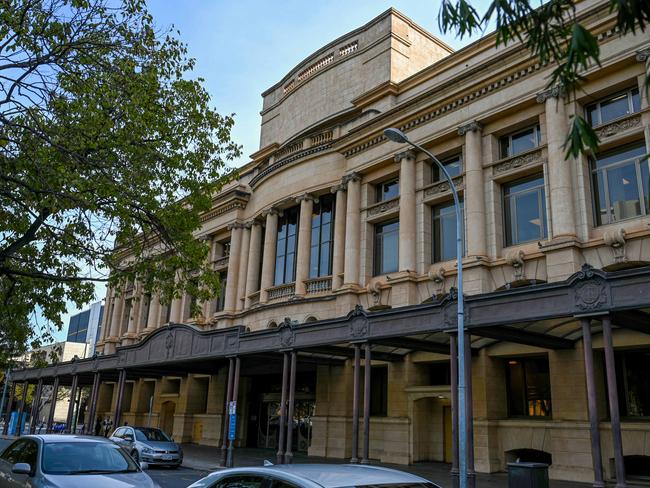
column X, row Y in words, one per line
column 72, row 414
column 612, row 397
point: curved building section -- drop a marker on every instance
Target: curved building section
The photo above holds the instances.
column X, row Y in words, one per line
column 336, row 248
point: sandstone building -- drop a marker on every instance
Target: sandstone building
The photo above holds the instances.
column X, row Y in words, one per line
column 337, row 246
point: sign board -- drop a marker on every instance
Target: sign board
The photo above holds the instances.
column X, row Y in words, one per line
column 232, row 427
column 232, row 408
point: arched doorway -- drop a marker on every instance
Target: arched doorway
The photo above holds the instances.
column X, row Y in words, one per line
column 167, row 411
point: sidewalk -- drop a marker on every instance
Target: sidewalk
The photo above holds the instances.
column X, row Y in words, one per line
column 207, row 459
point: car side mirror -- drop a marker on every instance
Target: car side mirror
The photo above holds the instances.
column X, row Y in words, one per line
column 21, row 468
column 128, row 437
column 144, row 465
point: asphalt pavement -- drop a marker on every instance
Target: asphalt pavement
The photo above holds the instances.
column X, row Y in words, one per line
column 165, row 477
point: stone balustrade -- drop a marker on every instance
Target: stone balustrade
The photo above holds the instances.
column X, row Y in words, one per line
column 318, row 285
column 281, row 291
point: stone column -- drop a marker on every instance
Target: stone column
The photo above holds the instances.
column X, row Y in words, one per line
column 407, row 232
column 306, row 202
column 254, row 259
column 243, row 265
column 236, row 235
column 559, row 169
column 143, row 312
column 116, row 319
column 268, row 261
column 154, row 313
column 352, row 230
column 176, row 310
column 474, row 197
column 338, row 255
column 612, row 393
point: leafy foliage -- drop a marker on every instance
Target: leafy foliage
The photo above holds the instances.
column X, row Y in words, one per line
column 108, row 148
column 553, row 34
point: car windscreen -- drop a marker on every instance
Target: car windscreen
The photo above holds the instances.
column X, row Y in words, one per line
column 399, row 485
column 147, row 434
column 77, row 458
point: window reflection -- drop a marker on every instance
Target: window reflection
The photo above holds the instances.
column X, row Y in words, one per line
column 386, row 247
column 614, row 107
column 285, row 254
column 387, row 190
column 453, row 165
column 518, row 142
column 444, row 231
column 525, row 210
column 322, row 230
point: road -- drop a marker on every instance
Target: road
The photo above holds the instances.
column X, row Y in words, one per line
column 166, row 478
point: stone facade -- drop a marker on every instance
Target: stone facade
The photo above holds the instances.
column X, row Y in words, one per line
column 321, row 137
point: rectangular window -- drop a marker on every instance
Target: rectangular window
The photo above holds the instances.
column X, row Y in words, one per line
column 453, row 165
column 444, row 231
column 285, row 250
column 322, row 237
column 520, row 141
column 379, row 391
column 386, row 258
column 633, row 383
column 440, row 373
column 614, row 107
column 620, row 181
column 387, row 190
column 220, row 300
column 529, row 387
column 524, row 204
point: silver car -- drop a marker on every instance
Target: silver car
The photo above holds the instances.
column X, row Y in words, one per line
column 313, row 476
column 149, row 445
column 69, row 461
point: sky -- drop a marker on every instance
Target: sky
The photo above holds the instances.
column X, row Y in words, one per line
column 243, row 47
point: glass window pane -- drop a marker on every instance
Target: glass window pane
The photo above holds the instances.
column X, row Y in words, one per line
column 324, row 260
column 453, row 166
column 645, row 181
column 614, row 108
column 636, row 101
column 327, row 214
column 313, row 261
column 391, row 249
column 600, row 203
column 279, row 270
column 593, row 115
column 523, row 141
column 290, row 266
column 516, row 389
column 529, row 221
column 620, row 155
column 387, row 190
column 623, row 191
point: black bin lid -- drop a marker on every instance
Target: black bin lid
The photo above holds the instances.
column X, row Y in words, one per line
column 528, row 465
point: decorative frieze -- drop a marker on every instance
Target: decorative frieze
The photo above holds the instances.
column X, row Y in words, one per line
column 618, row 126
column 383, row 207
column 442, row 187
column 528, row 159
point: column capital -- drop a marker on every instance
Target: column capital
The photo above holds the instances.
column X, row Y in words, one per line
column 271, row 211
column 408, row 154
column 307, row 197
column 554, row 92
column 472, row 126
column 254, row 221
column 643, row 55
column 236, row 225
column 354, row 176
column 339, row 187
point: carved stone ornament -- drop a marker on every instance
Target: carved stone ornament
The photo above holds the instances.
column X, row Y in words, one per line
column 357, row 311
column 515, row 258
column 374, row 290
column 286, row 333
column 554, row 92
column 591, row 294
column 469, row 127
column 450, row 315
column 616, row 240
column 306, row 197
column 169, row 343
column 643, row 55
column 350, row 177
column 383, row 207
column 437, row 275
column 339, row 187
column 232, row 342
column 407, row 155
column 518, row 161
column 616, row 127
column 359, row 326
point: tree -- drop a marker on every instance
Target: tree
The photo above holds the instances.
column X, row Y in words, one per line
column 109, row 153
column 553, row 34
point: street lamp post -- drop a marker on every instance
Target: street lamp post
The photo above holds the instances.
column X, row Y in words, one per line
column 397, row 135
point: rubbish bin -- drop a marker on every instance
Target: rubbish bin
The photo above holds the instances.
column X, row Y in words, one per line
column 527, row 475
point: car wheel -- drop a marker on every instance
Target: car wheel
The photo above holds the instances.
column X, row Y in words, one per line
column 135, row 456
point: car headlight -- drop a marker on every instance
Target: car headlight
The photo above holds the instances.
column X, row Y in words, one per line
column 147, row 450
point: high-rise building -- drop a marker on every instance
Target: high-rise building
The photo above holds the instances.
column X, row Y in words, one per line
column 86, row 326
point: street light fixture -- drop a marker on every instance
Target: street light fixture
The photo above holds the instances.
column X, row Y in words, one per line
column 397, row 135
